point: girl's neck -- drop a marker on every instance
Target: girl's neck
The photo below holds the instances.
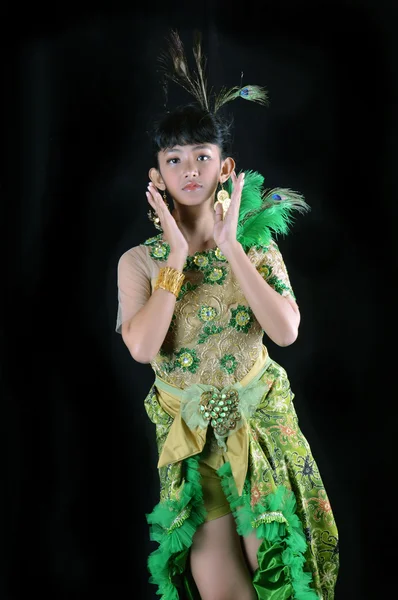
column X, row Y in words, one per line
column 197, row 229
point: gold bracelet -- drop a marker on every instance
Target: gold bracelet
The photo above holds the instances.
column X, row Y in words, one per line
column 170, row 279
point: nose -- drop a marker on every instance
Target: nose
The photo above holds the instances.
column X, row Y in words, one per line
column 191, row 170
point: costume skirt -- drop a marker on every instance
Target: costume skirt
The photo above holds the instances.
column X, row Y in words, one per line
column 270, row 481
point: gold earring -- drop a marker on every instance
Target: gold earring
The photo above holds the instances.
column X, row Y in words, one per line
column 223, row 199
column 222, row 195
column 152, row 216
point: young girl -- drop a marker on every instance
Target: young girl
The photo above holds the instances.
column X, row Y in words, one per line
column 243, row 513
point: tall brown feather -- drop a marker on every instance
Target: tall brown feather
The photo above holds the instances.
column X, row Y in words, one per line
column 174, row 66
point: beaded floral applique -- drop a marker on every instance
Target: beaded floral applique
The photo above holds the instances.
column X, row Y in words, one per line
column 158, row 249
column 214, row 335
column 187, row 286
column 187, row 359
column 272, row 268
column 242, row 318
column 200, row 261
column 207, row 313
column 209, row 330
column 229, row 363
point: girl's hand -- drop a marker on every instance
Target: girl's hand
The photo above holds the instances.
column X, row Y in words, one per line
column 171, row 233
column 225, row 229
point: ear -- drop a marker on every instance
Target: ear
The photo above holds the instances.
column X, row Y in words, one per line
column 156, row 178
column 227, row 168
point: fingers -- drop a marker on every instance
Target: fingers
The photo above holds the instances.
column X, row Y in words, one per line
column 237, row 181
column 218, row 213
column 240, row 180
column 153, row 191
column 155, row 199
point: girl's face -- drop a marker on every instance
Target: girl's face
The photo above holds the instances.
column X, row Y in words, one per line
column 191, row 173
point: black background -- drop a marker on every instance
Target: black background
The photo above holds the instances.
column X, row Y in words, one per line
column 79, row 88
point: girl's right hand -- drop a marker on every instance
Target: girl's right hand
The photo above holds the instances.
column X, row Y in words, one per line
column 171, row 233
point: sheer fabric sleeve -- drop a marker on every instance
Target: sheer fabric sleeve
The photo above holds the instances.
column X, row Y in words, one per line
column 273, row 269
column 134, row 284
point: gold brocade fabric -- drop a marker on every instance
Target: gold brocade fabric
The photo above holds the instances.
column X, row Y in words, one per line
column 214, row 336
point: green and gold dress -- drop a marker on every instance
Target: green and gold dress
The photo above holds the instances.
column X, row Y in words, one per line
column 220, row 403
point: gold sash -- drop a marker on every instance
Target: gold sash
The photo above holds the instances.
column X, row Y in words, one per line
column 183, row 442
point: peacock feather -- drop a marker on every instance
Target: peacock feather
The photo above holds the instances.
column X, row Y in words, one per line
column 173, row 65
column 255, row 93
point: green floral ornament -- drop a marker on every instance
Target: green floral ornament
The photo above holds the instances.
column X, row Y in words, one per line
column 202, row 261
column 187, row 359
column 279, row 286
column 207, row 313
column 209, row 330
column 229, row 363
column 186, row 287
column 242, row 318
column 219, row 255
column 215, row 275
column 265, row 271
column 160, row 250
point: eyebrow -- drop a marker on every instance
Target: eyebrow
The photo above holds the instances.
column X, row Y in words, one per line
column 199, row 147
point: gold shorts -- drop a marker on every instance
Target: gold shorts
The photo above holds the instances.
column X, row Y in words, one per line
column 215, row 501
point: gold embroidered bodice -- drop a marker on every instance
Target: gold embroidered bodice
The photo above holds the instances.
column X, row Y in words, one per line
column 214, row 336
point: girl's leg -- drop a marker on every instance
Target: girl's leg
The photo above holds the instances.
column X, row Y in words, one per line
column 217, row 562
column 251, row 544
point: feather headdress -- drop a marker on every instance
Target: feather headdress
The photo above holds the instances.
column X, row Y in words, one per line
column 173, row 65
column 264, row 212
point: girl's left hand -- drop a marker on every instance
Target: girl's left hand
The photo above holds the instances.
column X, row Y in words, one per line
column 224, row 233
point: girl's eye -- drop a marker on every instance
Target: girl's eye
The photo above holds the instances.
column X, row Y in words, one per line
column 203, row 157
column 172, row 161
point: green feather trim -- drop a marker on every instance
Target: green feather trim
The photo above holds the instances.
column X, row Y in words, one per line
column 282, row 529
column 264, row 212
column 172, row 525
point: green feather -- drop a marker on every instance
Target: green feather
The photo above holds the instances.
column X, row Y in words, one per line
column 263, row 213
column 251, row 193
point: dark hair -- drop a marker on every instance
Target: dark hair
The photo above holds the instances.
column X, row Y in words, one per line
column 190, row 124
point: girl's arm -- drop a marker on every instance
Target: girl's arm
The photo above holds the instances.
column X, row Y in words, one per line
column 145, row 332
column 278, row 316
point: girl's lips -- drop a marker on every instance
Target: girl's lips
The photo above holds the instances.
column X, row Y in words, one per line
column 191, row 187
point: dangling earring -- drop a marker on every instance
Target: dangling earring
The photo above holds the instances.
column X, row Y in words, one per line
column 223, row 199
column 152, row 216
